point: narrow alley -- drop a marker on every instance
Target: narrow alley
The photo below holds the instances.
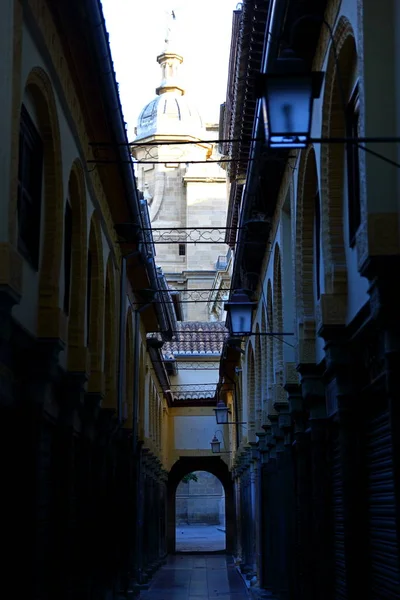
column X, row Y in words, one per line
column 192, row 577
column 199, row 314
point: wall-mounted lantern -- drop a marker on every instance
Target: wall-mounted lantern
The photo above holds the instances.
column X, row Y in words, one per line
column 215, row 445
column 287, row 95
column 222, row 413
column 240, row 312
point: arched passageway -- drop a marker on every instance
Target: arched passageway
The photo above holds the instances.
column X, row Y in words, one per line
column 217, row 467
column 200, row 514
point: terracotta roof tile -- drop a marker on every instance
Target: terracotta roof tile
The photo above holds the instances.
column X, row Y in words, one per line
column 197, row 337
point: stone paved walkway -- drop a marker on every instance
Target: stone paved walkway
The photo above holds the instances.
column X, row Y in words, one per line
column 193, row 577
column 201, row 538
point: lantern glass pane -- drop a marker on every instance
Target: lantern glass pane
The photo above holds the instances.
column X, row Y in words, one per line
column 240, row 318
column 288, row 110
column 215, row 447
column 221, row 414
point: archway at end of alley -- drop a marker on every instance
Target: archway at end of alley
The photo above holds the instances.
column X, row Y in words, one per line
column 200, row 514
column 217, row 467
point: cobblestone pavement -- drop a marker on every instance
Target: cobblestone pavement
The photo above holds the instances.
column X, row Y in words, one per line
column 194, row 577
column 202, row 538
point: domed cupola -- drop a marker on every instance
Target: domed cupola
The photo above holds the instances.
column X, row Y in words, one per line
column 171, row 112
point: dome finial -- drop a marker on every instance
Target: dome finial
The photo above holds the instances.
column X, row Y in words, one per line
column 171, row 18
column 170, row 60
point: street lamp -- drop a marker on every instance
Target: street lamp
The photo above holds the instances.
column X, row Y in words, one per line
column 215, row 445
column 287, row 94
column 240, row 312
column 221, row 413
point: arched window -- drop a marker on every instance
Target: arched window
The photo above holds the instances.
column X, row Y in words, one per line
column 353, row 165
column 317, row 238
column 30, row 174
column 88, row 295
column 67, row 255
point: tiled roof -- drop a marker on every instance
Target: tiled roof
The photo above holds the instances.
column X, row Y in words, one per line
column 196, row 337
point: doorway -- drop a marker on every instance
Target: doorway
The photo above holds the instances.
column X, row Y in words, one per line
column 200, row 514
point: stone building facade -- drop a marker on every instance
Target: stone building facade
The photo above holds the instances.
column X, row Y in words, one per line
column 80, row 404
column 317, row 465
column 186, row 188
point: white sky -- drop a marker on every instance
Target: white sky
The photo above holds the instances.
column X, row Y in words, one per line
column 137, row 31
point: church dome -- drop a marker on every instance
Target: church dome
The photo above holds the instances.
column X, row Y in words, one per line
column 169, row 114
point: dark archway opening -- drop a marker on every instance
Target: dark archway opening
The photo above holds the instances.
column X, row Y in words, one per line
column 219, row 469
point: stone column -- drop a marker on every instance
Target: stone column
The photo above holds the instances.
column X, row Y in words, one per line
column 137, row 516
column 164, row 481
column 282, row 434
column 247, row 512
column 140, row 506
column 67, row 581
column 253, row 508
column 278, row 524
column 124, row 510
column 144, row 521
column 262, row 511
column 257, row 502
column 38, row 377
column 86, row 492
column 238, row 538
column 104, row 503
column 301, row 447
column 271, row 509
column 14, row 520
column 320, row 547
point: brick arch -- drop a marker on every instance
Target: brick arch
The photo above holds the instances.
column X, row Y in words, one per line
column 110, row 342
column 157, row 401
column 264, row 370
column 305, row 259
column 258, row 380
column 51, row 319
column 127, row 409
column 217, row 467
column 270, row 349
column 76, row 320
column 96, row 324
column 151, row 408
column 278, row 316
column 250, row 393
column 142, row 380
column 239, row 399
column 159, row 423
column 333, row 157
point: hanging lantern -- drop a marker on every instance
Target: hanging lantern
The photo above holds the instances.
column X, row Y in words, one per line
column 215, row 445
column 240, row 313
column 287, row 96
column 221, row 413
